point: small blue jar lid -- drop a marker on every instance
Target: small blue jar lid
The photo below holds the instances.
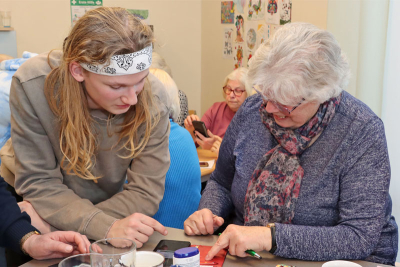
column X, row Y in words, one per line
column 186, row 252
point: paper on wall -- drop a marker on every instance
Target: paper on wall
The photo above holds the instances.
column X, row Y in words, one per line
column 272, row 8
column 227, row 48
column 239, row 6
column 256, row 10
column 227, row 12
column 285, row 11
column 239, row 23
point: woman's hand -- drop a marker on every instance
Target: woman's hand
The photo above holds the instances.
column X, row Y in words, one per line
column 208, row 142
column 202, row 222
column 188, row 124
column 137, row 227
column 58, row 244
column 241, row 238
column 216, row 145
column 36, row 220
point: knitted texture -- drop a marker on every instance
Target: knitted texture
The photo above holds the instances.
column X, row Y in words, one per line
column 183, row 180
column 344, row 208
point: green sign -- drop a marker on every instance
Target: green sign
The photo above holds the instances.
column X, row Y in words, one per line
column 86, row 2
column 80, row 7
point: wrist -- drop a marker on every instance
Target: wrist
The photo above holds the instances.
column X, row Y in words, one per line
column 26, row 240
column 272, row 248
column 109, row 232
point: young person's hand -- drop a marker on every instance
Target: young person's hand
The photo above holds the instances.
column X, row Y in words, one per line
column 202, row 222
column 36, row 220
column 58, row 244
column 137, row 227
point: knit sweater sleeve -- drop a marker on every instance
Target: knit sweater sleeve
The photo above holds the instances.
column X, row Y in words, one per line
column 363, row 195
column 217, row 194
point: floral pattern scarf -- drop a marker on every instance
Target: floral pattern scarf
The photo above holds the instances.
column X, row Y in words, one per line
column 275, row 183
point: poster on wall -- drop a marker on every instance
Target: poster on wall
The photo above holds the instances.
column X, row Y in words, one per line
column 286, row 11
column 249, row 56
column 80, row 7
column 256, row 10
column 239, row 23
column 227, row 12
column 228, row 50
column 273, row 15
column 274, row 28
column 142, row 14
column 239, row 6
column 238, row 55
column 251, row 38
column 263, row 32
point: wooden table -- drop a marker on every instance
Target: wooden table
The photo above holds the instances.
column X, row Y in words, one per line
column 268, row 260
column 206, row 155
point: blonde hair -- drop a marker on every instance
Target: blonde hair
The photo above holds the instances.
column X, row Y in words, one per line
column 96, row 37
column 299, row 61
column 172, row 91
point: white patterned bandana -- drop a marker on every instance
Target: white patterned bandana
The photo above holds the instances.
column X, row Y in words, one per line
column 123, row 64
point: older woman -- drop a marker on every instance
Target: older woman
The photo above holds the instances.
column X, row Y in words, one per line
column 183, row 178
column 158, row 62
column 218, row 117
column 304, row 165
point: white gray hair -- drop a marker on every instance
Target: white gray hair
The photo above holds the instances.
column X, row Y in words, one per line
column 158, row 62
column 172, row 92
column 299, row 61
column 239, row 74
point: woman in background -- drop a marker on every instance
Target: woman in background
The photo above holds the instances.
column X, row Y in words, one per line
column 218, row 117
column 86, row 119
column 183, row 180
column 159, row 62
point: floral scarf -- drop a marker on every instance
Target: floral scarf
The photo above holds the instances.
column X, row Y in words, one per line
column 275, row 183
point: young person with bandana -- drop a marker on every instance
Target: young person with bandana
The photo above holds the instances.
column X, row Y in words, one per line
column 303, row 167
column 86, row 119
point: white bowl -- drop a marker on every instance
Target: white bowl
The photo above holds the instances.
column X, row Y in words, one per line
column 149, row 259
column 340, row 264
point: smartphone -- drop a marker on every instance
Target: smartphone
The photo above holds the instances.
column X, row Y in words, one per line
column 200, row 127
column 168, row 247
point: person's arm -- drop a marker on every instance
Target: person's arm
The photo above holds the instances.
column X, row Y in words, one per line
column 13, row 224
column 58, row 244
column 216, row 203
column 364, row 185
column 217, row 194
column 17, row 233
column 38, row 173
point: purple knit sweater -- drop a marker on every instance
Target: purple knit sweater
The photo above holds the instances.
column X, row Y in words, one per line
column 344, row 208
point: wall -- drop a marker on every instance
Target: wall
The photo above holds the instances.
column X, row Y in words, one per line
column 213, row 67
column 42, row 25
column 344, row 24
column 360, row 29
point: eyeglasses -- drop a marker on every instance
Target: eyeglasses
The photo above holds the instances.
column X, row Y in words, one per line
column 236, row 92
column 284, row 109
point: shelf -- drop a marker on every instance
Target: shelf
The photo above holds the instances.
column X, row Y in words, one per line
column 8, row 29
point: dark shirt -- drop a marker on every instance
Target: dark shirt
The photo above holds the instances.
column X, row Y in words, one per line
column 13, row 224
